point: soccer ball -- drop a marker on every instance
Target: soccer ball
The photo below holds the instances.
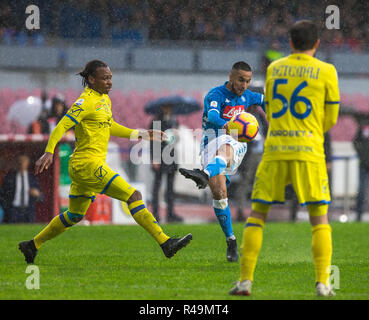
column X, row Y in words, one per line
column 246, row 125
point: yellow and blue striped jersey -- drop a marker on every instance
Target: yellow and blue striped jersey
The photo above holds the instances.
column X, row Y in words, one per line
column 301, row 103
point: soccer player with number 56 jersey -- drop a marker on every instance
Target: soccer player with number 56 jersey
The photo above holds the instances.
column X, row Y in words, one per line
column 301, row 103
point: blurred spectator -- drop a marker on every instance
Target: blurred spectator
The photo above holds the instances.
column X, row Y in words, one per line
column 18, row 194
column 48, row 120
column 40, row 125
column 271, row 54
column 361, row 144
column 57, row 112
column 160, row 166
column 7, row 24
column 220, row 21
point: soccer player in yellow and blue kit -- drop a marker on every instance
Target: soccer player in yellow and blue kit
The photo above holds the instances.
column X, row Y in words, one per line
column 94, row 124
column 302, row 103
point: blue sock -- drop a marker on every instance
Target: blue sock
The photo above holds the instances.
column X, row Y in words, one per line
column 216, row 166
column 223, row 214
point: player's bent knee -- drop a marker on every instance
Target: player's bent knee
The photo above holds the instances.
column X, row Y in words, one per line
column 136, row 196
column 75, row 217
column 219, row 194
column 218, row 187
column 221, row 204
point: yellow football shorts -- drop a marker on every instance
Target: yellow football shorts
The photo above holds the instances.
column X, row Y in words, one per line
column 90, row 177
column 308, row 179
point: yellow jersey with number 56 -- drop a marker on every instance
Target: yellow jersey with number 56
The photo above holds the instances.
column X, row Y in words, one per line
column 299, row 89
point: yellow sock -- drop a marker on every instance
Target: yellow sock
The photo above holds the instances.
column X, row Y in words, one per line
column 55, row 227
column 251, row 243
column 322, row 251
column 146, row 220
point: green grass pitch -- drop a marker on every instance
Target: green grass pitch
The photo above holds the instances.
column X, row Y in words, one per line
column 124, row 262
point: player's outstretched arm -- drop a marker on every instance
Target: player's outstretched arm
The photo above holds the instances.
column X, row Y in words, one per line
column 118, row 130
column 153, row 135
column 47, row 158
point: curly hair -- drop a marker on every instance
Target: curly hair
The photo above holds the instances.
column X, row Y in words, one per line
column 90, row 70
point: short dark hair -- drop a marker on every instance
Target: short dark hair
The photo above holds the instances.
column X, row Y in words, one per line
column 241, row 65
column 304, row 34
column 90, row 70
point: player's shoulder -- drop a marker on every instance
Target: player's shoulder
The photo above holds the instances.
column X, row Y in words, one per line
column 249, row 92
column 86, row 99
column 327, row 70
column 217, row 91
column 324, row 67
column 327, row 67
column 107, row 98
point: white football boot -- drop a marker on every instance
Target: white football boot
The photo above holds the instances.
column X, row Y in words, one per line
column 242, row 288
column 324, row 291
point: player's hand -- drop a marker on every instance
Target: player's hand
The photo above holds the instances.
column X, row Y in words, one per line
column 225, row 127
column 34, row 192
column 329, row 166
column 44, row 162
column 153, row 135
column 155, row 166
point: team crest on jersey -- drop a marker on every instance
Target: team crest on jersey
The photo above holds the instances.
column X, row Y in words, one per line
column 76, row 111
column 79, row 102
column 230, row 111
column 100, row 173
column 214, row 104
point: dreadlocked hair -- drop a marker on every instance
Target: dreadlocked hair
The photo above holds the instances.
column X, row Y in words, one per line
column 90, row 70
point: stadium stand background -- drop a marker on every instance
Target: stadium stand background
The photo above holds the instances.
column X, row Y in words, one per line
column 158, row 47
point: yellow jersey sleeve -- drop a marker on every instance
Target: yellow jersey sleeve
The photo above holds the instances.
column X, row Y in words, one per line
column 118, row 130
column 332, row 94
column 332, row 99
column 62, row 127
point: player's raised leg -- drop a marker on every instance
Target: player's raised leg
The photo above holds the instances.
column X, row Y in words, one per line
column 213, row 175
column 77, row 208
column 215, row 169
column 121, row 190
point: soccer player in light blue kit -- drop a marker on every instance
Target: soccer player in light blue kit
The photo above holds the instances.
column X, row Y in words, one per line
column 220, row 153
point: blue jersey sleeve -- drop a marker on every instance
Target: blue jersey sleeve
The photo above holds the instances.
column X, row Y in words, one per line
column 212, row 105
